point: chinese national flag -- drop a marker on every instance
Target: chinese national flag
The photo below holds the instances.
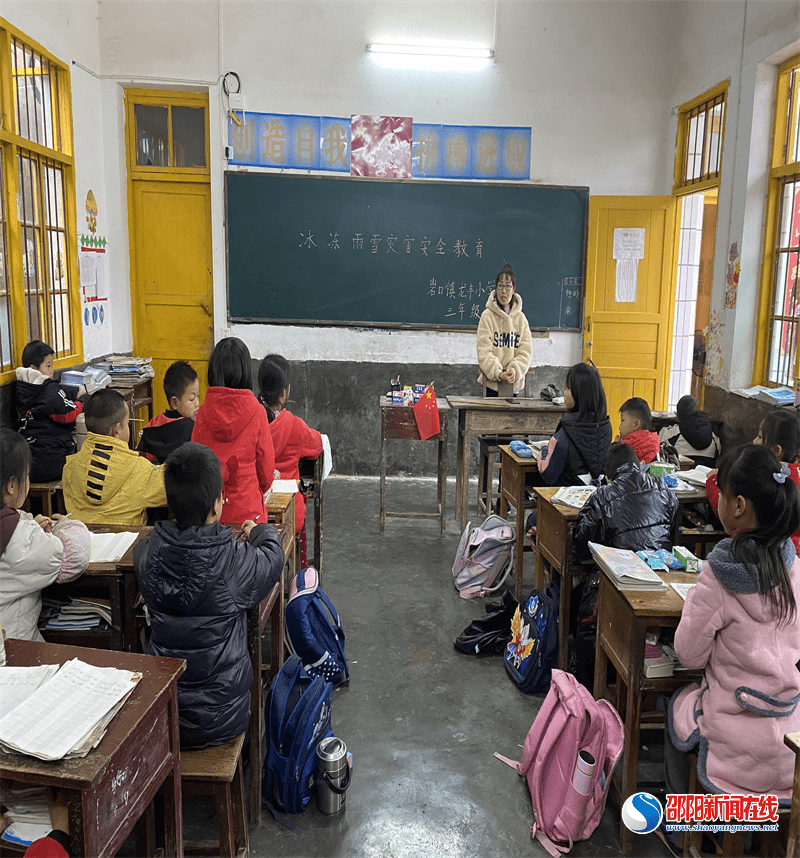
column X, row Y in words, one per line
column 426, row 412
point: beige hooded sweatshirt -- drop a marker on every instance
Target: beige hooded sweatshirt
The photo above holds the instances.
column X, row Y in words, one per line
column 504, row 340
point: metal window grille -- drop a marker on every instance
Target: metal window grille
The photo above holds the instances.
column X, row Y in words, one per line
column 702, row 149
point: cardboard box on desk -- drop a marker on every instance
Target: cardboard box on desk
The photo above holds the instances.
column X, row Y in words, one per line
column 684, row 556
column 660, row 469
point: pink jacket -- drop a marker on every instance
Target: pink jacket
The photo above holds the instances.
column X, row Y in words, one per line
column 729, row 629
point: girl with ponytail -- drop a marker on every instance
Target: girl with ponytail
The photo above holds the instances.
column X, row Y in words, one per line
column 740, row 624
column 291, row 437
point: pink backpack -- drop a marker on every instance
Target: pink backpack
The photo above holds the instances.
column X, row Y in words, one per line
column 570, row 720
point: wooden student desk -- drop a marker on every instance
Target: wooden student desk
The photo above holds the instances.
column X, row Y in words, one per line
column 311, row 469
column 270, row 608
column 398, row 421
column 280, row 510
column 512, row 491
column 109, row 790
column 495, row 416
column 118, row 583
column 623, row 616
column 555, row 525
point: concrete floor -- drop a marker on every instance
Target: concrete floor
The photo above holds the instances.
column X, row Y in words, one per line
column 421, row 719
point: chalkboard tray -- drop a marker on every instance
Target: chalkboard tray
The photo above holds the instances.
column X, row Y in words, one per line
column 410, row 254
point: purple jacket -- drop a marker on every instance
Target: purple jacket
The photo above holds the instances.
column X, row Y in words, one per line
column 749, row 697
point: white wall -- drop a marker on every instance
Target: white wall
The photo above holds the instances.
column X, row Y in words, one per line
column 744, row 42
column 598, row 82
column 589, row 78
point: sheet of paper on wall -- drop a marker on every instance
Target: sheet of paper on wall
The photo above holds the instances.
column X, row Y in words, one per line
column 628, row 250
column 88, row 266
column 101, row 274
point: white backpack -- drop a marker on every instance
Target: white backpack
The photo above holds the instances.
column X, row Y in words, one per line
column 484, row 558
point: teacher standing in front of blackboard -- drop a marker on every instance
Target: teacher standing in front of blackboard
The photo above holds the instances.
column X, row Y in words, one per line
column 504, row 337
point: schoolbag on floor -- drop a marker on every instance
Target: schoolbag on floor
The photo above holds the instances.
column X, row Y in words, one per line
column 314, row 630
column 488, row 635
column 484, row 558
column 533, row 643
column 297, row 716
column 570, row 720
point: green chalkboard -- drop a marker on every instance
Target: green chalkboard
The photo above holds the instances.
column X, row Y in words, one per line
column 400, row 253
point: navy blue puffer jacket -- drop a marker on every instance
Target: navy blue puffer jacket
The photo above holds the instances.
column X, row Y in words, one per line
column 198, row 585
column 634, row 511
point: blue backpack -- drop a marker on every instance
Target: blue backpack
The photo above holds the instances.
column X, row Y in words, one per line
column 314, row 630
column 297, row 716
column 531, row 650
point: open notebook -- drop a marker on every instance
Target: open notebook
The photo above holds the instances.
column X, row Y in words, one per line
column 627, row 569
column 110, row 547
column 61, row 712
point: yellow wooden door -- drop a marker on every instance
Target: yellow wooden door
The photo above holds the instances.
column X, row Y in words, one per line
column 630, row 341
column 170, row 232
column 173, row 299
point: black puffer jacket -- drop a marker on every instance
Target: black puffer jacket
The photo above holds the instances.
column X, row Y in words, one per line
column 198, row 585
column 38, row 399
column 580, row 448
column 633, row 511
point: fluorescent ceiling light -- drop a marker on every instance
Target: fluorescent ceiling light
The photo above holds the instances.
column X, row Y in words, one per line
column 431, row 56
column 431, row 50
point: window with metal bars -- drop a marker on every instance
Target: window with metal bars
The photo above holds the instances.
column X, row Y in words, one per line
column 39, row 296
column 701, row 128
column 776, row 346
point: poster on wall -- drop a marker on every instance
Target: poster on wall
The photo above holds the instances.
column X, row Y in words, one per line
column 95, row 286
column 381, row 146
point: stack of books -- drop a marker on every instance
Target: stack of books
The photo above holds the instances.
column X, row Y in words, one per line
column 127, row 371
column 628, row 571
column 81, row 614
column 28, row 810
column 85, row 697
column 92, row 378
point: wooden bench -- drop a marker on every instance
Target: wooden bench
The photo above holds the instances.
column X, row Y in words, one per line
column 218, row 772
column 50, row 494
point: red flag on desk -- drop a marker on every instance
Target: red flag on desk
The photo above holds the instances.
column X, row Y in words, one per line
column 426, row 412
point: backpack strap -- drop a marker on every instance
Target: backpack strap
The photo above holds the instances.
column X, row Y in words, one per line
column 553, row 848
column 513, row 763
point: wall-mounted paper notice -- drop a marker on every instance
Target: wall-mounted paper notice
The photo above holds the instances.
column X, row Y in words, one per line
column 628, row 250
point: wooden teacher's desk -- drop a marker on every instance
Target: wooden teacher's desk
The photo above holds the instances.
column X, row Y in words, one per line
column 109, row 789
column 495, row 416
column 623, row 616
column 555, row 525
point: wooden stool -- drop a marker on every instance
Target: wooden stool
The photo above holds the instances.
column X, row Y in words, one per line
column 733, row 842
column 488, row 463
column 792, row 740
column 218, row 772
column 51, row 496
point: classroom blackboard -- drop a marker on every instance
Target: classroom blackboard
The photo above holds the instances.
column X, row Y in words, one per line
column 389, row 253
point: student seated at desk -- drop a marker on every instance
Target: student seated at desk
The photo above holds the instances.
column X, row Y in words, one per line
column 107, row 482
column 198, row 585
column 740, row 625
column 292, row 438
column 46, row 412
column 692, row 437
column 34, row 552
column 780, row 432
column 234, row 425
column 633, row 510
column 582, row 437
column 634, row 422
column 166, row 432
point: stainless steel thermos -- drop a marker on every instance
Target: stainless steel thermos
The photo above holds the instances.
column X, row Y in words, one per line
column 334, row 775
